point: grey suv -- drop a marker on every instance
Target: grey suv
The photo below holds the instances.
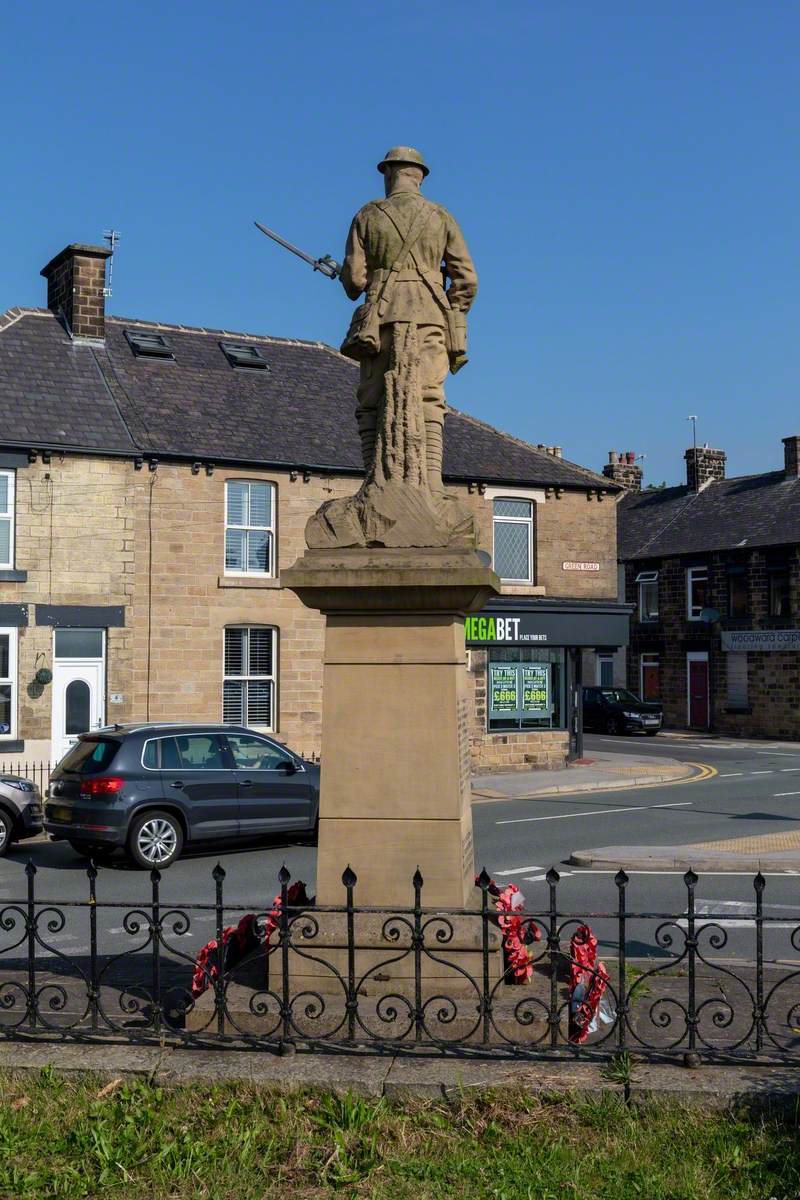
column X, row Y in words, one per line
column 20, row 811
column 152, row 788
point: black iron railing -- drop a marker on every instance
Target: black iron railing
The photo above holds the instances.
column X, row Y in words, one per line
column 400, row 979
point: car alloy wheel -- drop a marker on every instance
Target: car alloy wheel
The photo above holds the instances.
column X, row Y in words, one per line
column 156, row 840
column 6, row 829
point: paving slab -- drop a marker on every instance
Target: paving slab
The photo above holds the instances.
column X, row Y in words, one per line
column 601, row 772
column 401, row 1078
column 768, row 852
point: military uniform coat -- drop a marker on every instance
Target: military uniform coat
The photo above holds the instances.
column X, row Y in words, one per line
column 376, row 239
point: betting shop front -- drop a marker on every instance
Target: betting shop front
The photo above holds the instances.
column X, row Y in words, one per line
column 527, row 651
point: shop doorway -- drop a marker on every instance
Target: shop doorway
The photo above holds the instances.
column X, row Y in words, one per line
column 697, row 689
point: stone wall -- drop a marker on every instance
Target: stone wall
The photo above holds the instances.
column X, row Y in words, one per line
column 96, row 531
column 773, row 679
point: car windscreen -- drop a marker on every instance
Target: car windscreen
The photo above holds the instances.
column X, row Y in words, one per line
column 91, row 756
column 620, row 696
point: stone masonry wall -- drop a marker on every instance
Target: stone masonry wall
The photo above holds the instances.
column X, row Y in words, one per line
column 773, row 679
column 95, row 531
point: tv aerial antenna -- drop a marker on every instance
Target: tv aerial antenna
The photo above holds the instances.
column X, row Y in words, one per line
column 112, row 236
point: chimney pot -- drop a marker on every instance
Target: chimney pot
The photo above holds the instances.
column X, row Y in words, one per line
column 623, row 469
column 75, row 281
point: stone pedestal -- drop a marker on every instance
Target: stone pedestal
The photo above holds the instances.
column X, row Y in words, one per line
column 395, row 750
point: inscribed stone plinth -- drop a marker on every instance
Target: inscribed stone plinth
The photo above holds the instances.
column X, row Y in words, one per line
column 395, row 753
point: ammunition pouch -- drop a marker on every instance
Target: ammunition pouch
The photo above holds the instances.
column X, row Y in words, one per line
column 456, row 339
column 363, row 338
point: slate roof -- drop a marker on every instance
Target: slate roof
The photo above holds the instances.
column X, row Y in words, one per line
column 58, row 393
column 751, row 510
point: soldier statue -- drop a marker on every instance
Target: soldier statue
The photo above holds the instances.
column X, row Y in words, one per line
column 409, row 257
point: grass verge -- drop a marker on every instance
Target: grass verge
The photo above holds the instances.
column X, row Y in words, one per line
column 70, row 1136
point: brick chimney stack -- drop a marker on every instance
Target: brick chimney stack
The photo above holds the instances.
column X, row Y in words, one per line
column 75, row 281
column 622, row 468
column 791, row 457
column 704, row 466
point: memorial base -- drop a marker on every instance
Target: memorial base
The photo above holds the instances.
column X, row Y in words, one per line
column 395, row 721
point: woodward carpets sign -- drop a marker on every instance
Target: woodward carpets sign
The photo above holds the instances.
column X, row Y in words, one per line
column 760, row 640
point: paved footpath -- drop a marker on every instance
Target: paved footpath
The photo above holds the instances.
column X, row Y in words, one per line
column 599, row 771
column 399, row 1078
column 768, row 852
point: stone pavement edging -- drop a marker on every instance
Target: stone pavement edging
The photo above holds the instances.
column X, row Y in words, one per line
column 602, row 777
column 682, row 858
column 396, row 1077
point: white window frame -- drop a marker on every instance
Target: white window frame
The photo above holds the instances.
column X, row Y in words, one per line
column 12, row 678
column 645, row 579
column 604, row 657
column 654, row 661
column 270, row 529
column 691, row 574
column 271, row 679
column 9, row 516
column 516, row 521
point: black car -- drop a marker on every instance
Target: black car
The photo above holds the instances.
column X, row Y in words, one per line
column 152, row 788
column 616, row 710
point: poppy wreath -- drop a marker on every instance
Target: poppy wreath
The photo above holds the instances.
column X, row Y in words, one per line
column 588, row 980
column 239, row 940
column 517, row 935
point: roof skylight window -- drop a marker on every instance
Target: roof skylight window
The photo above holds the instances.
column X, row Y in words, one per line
column 148, row 345
column 244, row 355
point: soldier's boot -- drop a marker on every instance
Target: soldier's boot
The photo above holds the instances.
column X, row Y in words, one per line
column 433, row 455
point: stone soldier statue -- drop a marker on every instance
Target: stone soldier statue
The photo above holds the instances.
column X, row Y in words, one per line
column 401, row 252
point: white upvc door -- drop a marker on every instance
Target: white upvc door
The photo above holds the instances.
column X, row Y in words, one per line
column 78, row 701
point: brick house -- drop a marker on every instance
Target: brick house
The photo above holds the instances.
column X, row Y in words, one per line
column 713, row 570
column 155, row 480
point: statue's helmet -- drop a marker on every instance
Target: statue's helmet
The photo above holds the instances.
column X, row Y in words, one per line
column 405, row 156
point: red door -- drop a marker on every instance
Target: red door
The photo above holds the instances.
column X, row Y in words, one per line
column 698, row 693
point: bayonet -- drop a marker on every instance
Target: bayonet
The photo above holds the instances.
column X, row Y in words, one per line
column 327, row 265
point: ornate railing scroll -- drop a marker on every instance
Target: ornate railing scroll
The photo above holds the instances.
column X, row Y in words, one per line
column 403, row 979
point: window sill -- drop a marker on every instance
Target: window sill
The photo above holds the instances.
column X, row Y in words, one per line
column 11, row 746
column 11, row 576
column 514, row 588
column 248, row 581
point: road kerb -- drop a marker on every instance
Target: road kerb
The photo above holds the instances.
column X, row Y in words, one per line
column 698, row 772
column 679, row 858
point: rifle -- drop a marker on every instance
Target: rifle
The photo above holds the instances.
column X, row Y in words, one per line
column 326, row 265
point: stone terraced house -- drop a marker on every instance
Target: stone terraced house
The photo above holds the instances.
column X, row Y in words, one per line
column 154, row 482
column 712, row 568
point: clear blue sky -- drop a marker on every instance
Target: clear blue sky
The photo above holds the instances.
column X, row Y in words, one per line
column 626, row 175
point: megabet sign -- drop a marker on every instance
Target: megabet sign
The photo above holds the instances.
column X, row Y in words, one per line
column 485, row 630
column 557, row 624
